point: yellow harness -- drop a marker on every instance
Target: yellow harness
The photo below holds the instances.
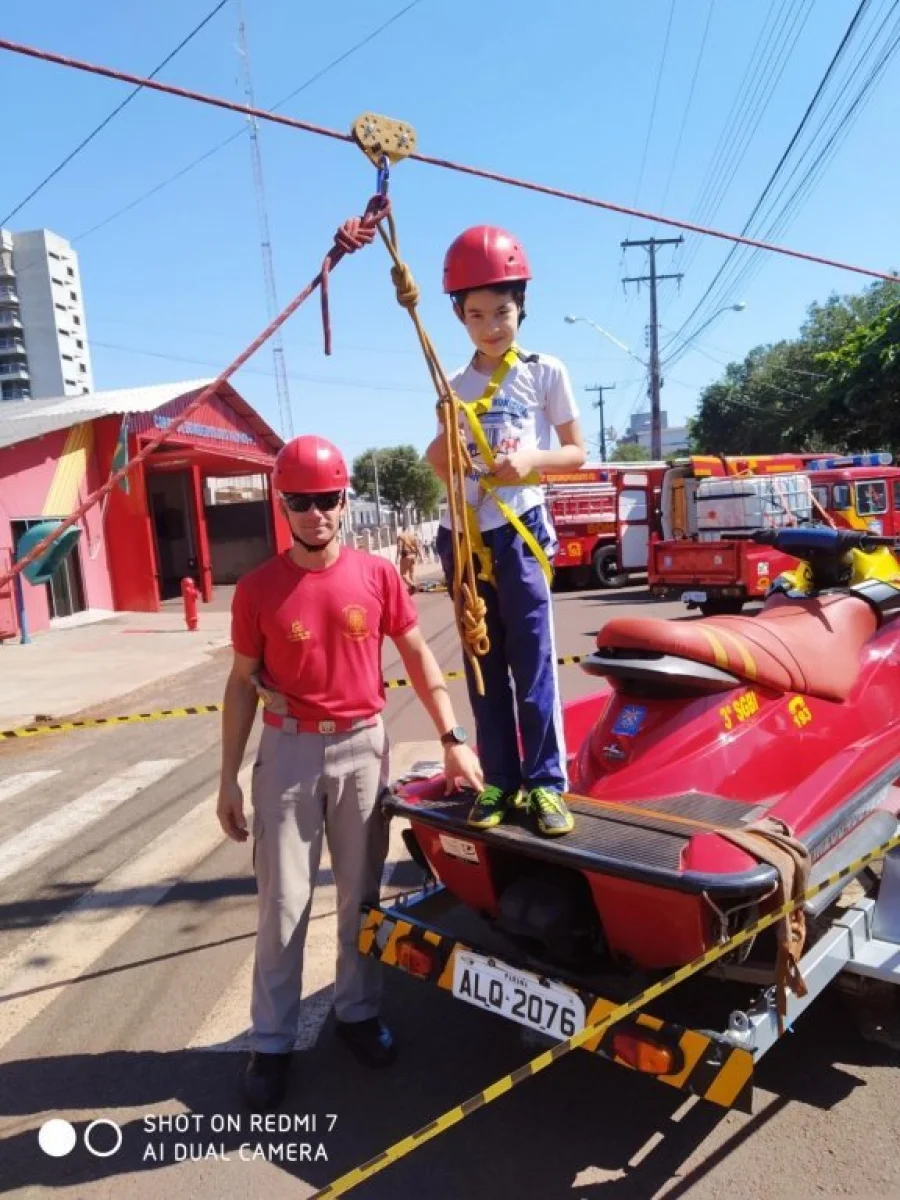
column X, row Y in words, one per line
column 474, row 411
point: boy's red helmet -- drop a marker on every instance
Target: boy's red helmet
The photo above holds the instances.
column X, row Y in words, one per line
column 309, row 464
column 483, row 256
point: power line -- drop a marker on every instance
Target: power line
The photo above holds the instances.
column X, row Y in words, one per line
column 836, row 58
column 687, row 105
column 240, row 132
column 729, row 139
column 826, row 153
column 768, row 84
column 442, row 163
column 115, row 112
column 323, row 380
column 823, row 83
column 659, row 76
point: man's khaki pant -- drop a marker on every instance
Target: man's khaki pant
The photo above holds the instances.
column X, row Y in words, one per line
column 306, row 785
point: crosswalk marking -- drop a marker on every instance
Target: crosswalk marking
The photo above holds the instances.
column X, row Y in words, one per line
column 59, row 954
column 14, row 785
column 63, row 824
column 226, row 1026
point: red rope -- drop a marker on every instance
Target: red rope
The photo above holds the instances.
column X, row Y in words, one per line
column 352, row 235
column 446, row 164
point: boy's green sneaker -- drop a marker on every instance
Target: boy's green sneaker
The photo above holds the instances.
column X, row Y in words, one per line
column 490, row 807
column 553, row 817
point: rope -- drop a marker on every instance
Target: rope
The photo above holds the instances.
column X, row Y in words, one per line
column 469, row 607
column 352, row 235
column 443, row 163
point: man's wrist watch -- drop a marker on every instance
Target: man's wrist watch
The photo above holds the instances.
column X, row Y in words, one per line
column 456, row 736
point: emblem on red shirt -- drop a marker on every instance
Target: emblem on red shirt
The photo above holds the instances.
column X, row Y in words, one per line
column 357, row 628
column 299, row 632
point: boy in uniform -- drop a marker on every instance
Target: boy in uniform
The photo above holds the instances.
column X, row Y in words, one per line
column 512, row 404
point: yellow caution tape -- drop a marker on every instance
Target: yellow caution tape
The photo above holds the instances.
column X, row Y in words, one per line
column 505, row 1084
column 162, row 714
column 193, row 710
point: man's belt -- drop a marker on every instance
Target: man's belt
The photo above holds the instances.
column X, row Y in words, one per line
column 293, row 725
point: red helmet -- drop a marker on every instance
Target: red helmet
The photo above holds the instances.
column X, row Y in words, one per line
column 482, row 256
column 309, row 464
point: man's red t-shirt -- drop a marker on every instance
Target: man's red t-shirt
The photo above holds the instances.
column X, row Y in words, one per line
column 318, row 634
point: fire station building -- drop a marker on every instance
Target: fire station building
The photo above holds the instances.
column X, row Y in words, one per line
column 177, row 513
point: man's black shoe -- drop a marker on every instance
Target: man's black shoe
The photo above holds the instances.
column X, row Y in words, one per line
column 370, row 1041
column 265, row 1080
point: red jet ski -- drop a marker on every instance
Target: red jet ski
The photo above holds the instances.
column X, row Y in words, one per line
column 705, row 727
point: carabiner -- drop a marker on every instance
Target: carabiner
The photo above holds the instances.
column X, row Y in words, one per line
column 384, row 175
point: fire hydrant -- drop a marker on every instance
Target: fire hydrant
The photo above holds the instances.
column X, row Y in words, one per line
column 189, row 594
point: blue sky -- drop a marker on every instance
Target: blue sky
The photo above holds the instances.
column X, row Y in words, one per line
column 174, row 288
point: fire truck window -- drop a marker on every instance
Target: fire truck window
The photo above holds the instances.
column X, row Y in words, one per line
column 841, row 496
column 871, row 498
column 820, row 495
column 897, row 495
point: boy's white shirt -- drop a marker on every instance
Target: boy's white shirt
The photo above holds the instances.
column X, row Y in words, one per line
column 534, row 397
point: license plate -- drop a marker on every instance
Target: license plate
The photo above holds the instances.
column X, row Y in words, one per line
column 694, row 597
column 517, row 995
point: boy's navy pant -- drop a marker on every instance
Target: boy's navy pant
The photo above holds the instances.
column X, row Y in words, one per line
column 520, row 627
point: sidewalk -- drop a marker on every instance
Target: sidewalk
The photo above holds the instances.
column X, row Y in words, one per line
column 64, row 671
column 67, row 670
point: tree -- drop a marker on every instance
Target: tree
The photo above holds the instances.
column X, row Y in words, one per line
column 629, row 452
column 790, row 395
column 860, row 398
column 404, row 478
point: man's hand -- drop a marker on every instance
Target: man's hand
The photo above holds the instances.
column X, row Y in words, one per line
column 513, row 468
column 462, row 768
column 230, row 810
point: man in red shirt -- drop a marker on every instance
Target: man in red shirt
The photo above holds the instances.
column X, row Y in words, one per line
column 307, row 631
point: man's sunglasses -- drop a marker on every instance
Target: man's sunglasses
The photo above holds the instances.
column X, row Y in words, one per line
column 303, row 501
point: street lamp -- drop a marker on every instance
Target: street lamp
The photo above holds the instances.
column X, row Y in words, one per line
column 571, row 320
column 739, row 307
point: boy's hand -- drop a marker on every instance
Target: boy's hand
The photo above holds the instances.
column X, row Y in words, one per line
column 513, row 468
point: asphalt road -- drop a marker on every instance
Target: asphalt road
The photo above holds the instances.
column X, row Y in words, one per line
column 127, row 937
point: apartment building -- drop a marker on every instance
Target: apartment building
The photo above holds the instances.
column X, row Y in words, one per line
column 43, row 336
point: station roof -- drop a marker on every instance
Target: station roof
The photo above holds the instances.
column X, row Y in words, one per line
column 22, row 420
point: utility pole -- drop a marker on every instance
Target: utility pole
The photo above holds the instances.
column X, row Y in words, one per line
column 653, row 279
column 285, row 416
column 600, row 388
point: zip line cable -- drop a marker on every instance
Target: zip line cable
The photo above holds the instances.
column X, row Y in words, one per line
column 445, row 164
column 307, row 83
column 352, row 236
column 115, row 112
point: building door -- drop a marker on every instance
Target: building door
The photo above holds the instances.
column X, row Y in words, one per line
column 169, row 498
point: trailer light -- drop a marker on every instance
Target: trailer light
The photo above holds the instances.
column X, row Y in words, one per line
column 643, row 1053
column 414, row 958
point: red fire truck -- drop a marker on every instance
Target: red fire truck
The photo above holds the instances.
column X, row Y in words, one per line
column 583, row 507
column 696, row 559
